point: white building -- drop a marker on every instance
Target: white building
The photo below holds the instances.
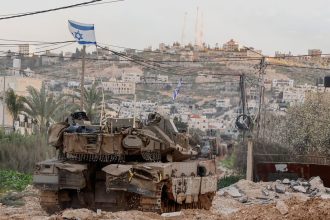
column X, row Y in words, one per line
column 164, row 109
column 119, row 87
column 207, row 111
column 16, row 67
column 282, row 83
column 73, row 84
column 134, row 77
column 198, row 122
column 162, row 78
column 293, row 96
column 223, row 103
column 156, row 78
column 67, row 56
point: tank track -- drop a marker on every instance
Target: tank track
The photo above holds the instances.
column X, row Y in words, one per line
column 155, row 204
column 49, row 201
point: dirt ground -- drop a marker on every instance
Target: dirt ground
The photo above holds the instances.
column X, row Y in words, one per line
column 224, row 208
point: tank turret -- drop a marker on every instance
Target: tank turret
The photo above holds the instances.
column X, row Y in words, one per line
column 155, row 140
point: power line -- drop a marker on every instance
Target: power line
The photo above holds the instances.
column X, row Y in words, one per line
column 35, row 41
column 55, row 48
column 52, row 9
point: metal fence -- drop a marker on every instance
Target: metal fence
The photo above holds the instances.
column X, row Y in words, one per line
column 287, row 158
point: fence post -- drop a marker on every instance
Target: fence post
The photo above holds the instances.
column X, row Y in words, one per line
column 249, row 161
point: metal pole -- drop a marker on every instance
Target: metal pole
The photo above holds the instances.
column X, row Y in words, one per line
column 4, row 102
column 82, row 81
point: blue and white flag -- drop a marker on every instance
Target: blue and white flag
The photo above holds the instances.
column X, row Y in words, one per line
column 83, row 33
column 177, row 89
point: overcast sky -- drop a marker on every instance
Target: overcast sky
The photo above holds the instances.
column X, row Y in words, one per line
column 269, row 25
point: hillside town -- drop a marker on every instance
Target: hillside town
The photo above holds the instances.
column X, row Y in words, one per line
column 119, row 80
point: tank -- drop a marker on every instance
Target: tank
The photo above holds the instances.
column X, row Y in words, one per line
column 123, row 165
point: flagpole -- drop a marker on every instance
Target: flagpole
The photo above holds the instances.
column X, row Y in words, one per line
column 82, row 80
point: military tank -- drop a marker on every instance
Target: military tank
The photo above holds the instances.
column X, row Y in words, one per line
column 123, row 165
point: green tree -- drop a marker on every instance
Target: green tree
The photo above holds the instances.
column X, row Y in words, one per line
column 92, row 101
column 14, row 103
column 41, row 106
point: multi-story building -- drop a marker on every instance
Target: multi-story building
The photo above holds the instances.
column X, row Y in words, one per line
column 155, row 78
column 230, row 46
column 132, row 77
column 282, row 83
column 314, row 52
column 198, row 122
column 294, row 95
column 282, row 55
column 119, row 87
column 24, row 49
column 19, row 84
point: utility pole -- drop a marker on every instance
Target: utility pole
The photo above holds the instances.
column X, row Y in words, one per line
column 262, row 69
column 82, row 80
column 249, row 159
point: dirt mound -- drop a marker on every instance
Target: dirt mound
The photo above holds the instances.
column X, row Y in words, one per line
column 30, row 210
column 314, row 208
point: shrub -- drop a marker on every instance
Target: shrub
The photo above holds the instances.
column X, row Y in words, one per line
column 12, row 180
column 20, row 153
column 229, row 180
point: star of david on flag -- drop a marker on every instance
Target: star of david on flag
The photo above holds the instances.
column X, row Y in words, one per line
column 177, row 89
column 82, row 33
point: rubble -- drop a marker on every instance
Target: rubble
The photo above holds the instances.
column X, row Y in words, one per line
column 286, row 181
column 282, row 207
column 299, row 189
column 265, row 192
column 172, row 215
column 279, row 188
column 242, row 200
column 233, row 192
column 317, row 183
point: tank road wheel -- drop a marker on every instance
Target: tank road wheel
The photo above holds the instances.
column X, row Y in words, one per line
column 49, row 201
column 133, row 201
column 205, row 201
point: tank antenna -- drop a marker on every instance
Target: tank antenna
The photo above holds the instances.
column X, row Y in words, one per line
column 134, row 110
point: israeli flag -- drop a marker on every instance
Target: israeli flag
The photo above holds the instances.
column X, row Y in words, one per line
column 83, row 33
column 177, row 89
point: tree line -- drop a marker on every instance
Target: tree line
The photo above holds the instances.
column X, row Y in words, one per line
column 45, row 108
